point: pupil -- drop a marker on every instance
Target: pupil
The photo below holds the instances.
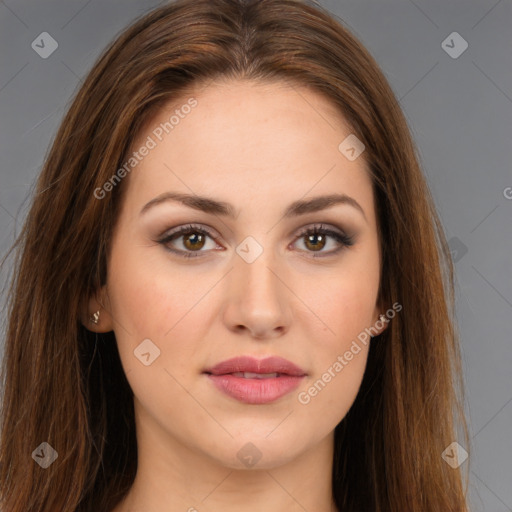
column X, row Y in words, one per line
column 192, row 240
column 312, row 237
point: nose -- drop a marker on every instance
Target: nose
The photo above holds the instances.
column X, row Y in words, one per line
column 257, row 298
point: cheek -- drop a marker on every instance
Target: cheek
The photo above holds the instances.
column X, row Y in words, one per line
column 344, row 302
column 150, row 300
column 331, row 391
column 154, row 304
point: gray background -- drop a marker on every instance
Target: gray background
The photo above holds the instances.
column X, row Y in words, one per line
column 460, row 113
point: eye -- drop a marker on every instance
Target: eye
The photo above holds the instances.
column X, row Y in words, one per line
column 316, row 238
column 194, row 239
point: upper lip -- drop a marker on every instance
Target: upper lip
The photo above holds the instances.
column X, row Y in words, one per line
column 250, row 364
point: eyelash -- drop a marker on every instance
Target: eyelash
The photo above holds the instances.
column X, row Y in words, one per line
column 343, row 239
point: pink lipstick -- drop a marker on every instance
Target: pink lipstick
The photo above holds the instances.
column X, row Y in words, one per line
column 256, row 381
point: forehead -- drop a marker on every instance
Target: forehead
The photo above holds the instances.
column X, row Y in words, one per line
column 269, row 138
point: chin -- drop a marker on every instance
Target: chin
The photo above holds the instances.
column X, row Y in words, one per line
column 256, row 452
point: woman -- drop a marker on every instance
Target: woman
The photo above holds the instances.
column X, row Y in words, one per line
column 232, row 291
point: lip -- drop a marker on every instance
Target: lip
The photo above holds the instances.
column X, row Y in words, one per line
column 272, row 364
column 256, row 390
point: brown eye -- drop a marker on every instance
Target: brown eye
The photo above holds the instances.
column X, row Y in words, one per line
column 194, row 239
column 315, row 242
column 317, row 238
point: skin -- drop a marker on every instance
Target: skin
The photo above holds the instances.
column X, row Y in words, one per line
column 259, row 147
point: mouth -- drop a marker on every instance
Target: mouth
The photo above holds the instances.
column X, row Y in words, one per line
column 252, row 381
column 248, row 366
column 252, row 375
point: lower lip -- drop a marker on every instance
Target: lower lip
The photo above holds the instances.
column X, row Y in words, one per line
column 255, row 391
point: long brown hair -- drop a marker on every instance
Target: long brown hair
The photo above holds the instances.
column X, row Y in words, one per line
column 64, row 385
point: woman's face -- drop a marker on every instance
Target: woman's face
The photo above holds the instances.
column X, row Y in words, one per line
column 246, row 280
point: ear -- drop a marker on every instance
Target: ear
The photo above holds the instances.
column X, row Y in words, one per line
column 380, row 320
column 96, row 315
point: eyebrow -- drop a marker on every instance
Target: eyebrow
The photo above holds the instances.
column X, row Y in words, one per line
column 212, row 206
